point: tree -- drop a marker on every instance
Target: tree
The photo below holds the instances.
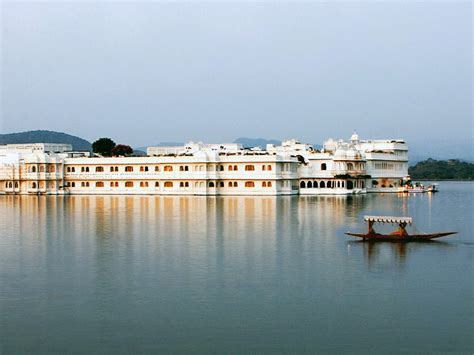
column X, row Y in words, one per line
column 122, row 149
column 103, row 146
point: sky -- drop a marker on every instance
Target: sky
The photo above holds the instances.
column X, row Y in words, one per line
column 148, row 72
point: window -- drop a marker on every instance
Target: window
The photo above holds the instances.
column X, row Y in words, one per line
column 230, row 184
column 157, row 168
column 168, row 168
column 302, row 185
column 99, row 184
column 111, row 183
column 128, row 183
column 315, row 184
column 41, row 169
column 73, row 184
column 323, row 166
column 111, row 169
column 309, row 185
column 73, row 169
column 264, row 184
column 116, row 183
column 221, row 184
column 181, row 168
column 230, row 167
column 350, row 166
column 157, row 184
column 68, row 169
column 186, row 184
column 269, row 167
column 236, row 184
column 269, row 184
column 143, row 168
column 116, row 169
column 87, row 183
column 249, row 183
column 221, row 167
column 33, row 185
column 181, row 184
column 235, row 168
column 87, row 169
column 264, row 167
column 33, row 169
column 83, row 184
column 249, row 167
column 322, row 185
column 52, row 169
column 186, row 168
column 211, row 184
column 168, row 184
column 129, row 169
column 99, row 169
column 143, row 183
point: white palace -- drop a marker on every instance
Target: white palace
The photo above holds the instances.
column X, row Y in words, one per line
column 340, row 167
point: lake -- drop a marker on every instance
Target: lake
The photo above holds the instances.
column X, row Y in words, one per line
column 130, row 274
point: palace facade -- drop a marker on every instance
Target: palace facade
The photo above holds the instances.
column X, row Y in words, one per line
column 356, row 166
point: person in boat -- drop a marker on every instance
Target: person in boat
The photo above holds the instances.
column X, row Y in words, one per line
column 401, row 231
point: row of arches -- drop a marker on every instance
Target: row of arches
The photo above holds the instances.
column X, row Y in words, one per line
column 42, row 169
column 331, row 184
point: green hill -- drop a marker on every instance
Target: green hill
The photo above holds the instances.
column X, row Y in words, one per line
column 42, row 136
column 442, row 170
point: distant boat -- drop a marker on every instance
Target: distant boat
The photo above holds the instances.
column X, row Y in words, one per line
column 433, row 188
column 399, row 235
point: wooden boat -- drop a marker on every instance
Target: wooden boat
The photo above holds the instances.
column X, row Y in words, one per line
column 399, row 235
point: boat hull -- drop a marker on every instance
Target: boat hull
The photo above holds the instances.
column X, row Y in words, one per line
column 400, row 238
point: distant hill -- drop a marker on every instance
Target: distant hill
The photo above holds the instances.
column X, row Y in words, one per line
column 442, row 169
column 439, row 149
column 256, row 142
column 41, row 136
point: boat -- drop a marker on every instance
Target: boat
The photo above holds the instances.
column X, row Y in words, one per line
column 433, row 188
column 399, row 235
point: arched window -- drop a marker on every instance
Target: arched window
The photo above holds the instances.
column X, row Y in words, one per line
column 73, row 184
column 322, row 185
column 157, row 168
column 181, row 168
column 83, row 169
column 310, row 185
column 211, row 184
column 73, row 169
column 342, row 184
column 142, row 184
column 186, row 184
column 362, row 184
column 186, row 168
column 111, row 169
column 264, row 167
column 315, row 184
column 350, row 166
column 181, row 184
column 142, row 169
column 87, row 169
column 221, row 184
column 41, row 170
column 129, row 169
column 10, row 185
column 116, row 169
column 99, row 169
column 302, row 185
column 157, row 184
column 112, row 184
column 128, row 183
column 235, row 168
column 168, row 168
column 51, row 169
column 99, row 184
column 236, row 184
column 33, row 169
column 221, row 167
column 323, row 166
column 249, row 183
column 87, row 183
column 168, row 184
column 269, row 184
column 249, row 167
column 33, row 185
column 338, row 184
column 269, row 167
column 264, row 184
column 230, row 184
column 16, row 184
column 230, row 168
column 83, row 184
column 68, row 169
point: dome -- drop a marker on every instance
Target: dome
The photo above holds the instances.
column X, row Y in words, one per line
column 354, row 137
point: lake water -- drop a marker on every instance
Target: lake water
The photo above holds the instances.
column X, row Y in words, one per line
column 233, row 274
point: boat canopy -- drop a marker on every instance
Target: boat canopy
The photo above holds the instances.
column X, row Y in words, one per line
column 388, row 219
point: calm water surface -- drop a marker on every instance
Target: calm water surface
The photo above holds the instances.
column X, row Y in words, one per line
column 242, row 274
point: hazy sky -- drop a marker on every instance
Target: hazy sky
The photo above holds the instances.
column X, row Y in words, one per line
column 147, row 72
